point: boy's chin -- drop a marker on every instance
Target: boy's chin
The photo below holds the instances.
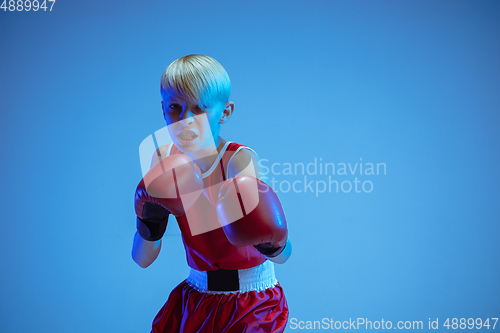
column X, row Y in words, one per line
column 187, row 148
column 197, row 145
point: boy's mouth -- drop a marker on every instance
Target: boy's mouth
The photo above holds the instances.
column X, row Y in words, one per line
column 187, row 136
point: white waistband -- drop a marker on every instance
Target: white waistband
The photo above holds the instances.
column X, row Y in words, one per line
column 256, row 278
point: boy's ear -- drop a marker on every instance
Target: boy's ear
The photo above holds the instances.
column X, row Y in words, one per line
column 227, row 113
column 163, row 109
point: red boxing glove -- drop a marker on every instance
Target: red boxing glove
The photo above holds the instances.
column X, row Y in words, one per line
column 251, row 213
column 174, row 183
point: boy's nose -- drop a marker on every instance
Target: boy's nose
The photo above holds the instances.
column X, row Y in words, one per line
column 186, row 117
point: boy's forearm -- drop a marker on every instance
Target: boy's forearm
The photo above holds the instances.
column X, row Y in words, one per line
column 144, row 252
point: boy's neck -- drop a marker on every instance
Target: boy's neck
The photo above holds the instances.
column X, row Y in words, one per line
column 206, row 157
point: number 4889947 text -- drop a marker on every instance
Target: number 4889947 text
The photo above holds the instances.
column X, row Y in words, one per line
column 26, row 5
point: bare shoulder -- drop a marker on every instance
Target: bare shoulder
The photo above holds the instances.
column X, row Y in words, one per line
column 160, row 154
column 244, row 162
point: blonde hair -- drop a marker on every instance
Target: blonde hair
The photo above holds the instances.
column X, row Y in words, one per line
column 198, row 78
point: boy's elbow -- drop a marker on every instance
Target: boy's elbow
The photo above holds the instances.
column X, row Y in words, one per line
column 144, row 253
column 144, row 265
column 140, row 261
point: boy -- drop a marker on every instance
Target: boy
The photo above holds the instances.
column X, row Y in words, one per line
column 232, row 224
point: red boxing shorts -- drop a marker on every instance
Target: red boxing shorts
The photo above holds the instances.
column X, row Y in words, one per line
column 259, row 305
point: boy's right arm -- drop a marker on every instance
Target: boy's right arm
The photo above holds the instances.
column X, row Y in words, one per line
column 145, row 252
column 168, row 179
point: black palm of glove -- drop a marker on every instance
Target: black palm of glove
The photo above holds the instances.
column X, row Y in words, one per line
column 269, row 250
column 153, row 223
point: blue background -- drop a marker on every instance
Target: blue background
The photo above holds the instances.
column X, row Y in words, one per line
column 412, row 84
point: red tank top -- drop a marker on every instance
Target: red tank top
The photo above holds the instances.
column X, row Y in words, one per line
column 210, row 250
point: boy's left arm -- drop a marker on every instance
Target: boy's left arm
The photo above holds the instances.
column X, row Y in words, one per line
column 265, row 226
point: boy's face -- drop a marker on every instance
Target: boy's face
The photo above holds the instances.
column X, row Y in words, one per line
column 191, row 127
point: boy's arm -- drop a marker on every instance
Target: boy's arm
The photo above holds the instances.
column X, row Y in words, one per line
column 145, row 252
column 159, row 154
column 246, row 162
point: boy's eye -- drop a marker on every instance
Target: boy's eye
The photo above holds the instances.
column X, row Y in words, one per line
column 174, row 106
column 199, row 110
